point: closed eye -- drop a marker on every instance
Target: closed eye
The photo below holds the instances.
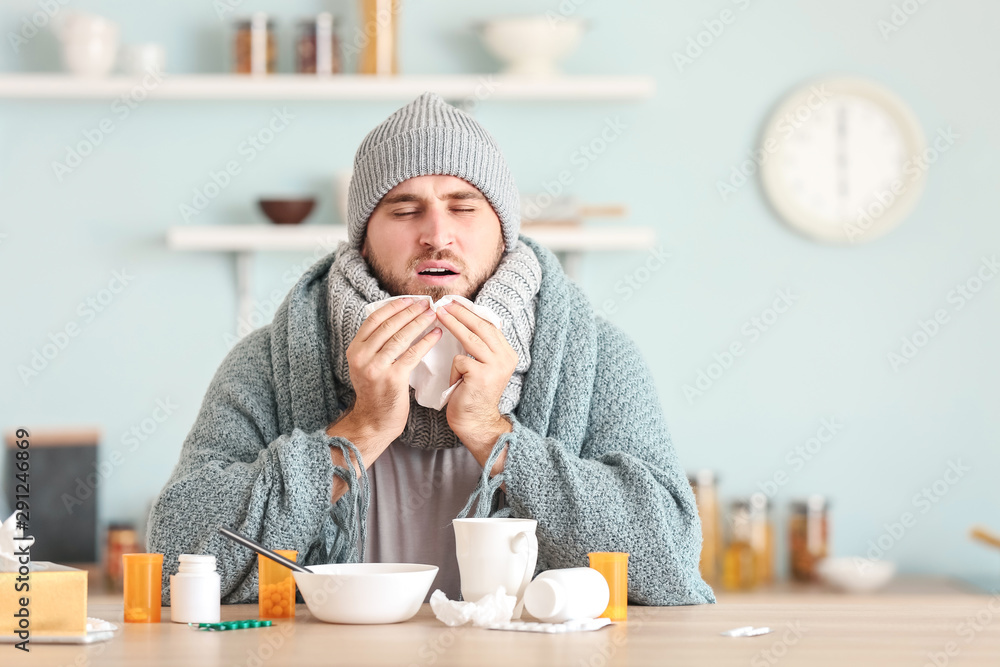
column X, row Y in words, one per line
column 403, row 214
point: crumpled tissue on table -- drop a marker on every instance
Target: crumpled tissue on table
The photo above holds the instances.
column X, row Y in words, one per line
column 494, row 609
column 431, row 376
column 9, row 545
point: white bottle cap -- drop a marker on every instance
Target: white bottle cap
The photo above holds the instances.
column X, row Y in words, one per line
column 544, row 598
column 196, row 563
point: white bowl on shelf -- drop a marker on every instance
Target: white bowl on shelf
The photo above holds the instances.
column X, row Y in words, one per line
column 530, row 46
column 855, row 574
column 365, row 593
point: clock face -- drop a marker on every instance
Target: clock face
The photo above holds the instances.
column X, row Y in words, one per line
column 840, row 161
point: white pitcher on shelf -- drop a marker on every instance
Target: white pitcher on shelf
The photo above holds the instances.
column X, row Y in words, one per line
column 89, row 43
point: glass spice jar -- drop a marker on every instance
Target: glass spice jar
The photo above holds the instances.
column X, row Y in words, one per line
column 380, row 29
column 808, row 536
column 762, row 537
column 317, row 49
column 122, row 539
column 704, row 483
column 739, row 563
column 254, row 50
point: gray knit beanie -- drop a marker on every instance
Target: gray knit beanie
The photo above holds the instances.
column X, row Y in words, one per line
column 429, row 136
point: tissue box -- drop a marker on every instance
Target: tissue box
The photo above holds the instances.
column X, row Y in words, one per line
column 58, row 600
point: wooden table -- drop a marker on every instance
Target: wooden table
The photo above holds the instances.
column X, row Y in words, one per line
column 907, row 628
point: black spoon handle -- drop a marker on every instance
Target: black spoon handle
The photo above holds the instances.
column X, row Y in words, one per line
column 263, row 551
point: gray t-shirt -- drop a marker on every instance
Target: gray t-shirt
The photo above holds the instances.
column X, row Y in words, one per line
column 415, row 494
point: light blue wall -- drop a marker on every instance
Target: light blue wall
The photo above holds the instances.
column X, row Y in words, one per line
column 165, row 334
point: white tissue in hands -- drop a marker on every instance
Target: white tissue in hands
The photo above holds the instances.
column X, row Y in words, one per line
column 431, row 378
column 494, row 609
column 9, row 546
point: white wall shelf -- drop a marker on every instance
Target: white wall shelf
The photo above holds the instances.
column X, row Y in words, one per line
column 262, row 238
column 340, row 87
column 244, row 240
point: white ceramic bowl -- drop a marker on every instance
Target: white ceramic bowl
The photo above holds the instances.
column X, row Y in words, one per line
column 361, row 593
column 855, row 574
column 531, row 45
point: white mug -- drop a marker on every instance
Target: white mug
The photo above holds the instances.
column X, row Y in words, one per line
column 140, row 59
column 493, row 553
column 89, row 43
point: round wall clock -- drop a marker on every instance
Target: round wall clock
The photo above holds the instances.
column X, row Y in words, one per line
column 842, row 160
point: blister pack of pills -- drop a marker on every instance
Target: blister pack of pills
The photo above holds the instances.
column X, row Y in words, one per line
column 581, row 625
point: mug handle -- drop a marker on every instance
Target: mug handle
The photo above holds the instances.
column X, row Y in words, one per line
column 524, row 542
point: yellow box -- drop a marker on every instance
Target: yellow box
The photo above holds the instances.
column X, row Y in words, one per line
column 57, row 600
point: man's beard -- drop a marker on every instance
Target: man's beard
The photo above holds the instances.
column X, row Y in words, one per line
column 396, row 285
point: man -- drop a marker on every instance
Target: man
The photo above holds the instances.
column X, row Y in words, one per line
column 309, row 437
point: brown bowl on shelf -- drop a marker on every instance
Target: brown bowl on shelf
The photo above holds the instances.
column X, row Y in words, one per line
column 287, row 211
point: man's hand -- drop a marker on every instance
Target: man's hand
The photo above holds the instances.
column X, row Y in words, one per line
column 380, row 359
column 472, row 409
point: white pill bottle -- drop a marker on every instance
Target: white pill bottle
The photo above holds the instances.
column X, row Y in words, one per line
column 195, row 591
column 556, row 596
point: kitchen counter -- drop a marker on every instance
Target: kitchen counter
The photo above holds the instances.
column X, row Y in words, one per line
column 909, row 627
column 901, row 586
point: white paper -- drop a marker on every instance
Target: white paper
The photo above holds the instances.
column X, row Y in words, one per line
column 494, row 609
column 746, row 631
column 576, row 625
column 8, row 545
column 430, row 379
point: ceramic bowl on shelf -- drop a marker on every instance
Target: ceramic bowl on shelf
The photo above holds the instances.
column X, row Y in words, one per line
column 365, row 593
column 531, row 46
column 287, row 211
column 855, row 574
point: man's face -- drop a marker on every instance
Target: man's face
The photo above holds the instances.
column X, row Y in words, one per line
column 433, row 235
